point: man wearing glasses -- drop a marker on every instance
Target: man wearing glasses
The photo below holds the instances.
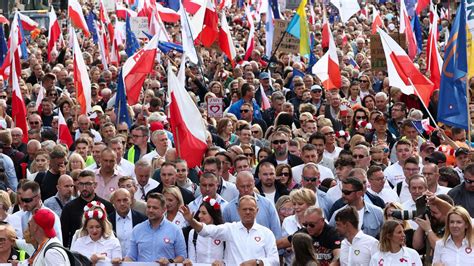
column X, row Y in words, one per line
column 35, row 122
column 462, row 194
column 279, row 144
column 73, row 211
column 331, row 151
column 326, row 240
column 31, row 199
column 311, row 179
column 140, row 146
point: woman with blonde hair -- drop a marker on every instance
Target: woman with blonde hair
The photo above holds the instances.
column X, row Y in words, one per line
column 174, row 201
column 388, row 216
column 8, row 250
column 96, row 240
column 75, row 162
column 5, row 216
column 392, row 249
column 455, row 248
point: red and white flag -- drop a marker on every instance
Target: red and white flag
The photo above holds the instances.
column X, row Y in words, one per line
column 210, row 31
column 327, row 67
column 325, row 33
column 225, row 39
column 4, row 20
column 376, row 20
column 434, row 61
column 192, row 6
column 186, row 122
column 74, row 10
column 64, row 135
column 14, row 51
column 265, row 102
column 122, row 12
column 405, row 27
column 137, row 68
column 54, row 32
column 402, row 73
column 251, row 36
column 39, row 99
column 167, row 14
column 27, row 23
column 186, row 37
column 156, row 26
column 421, row 5
column 81, row 78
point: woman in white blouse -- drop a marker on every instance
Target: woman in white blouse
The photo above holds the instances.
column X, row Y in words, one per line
column 456, row 246
column 392, row 249
column 174, row 200
column 96, row 239
column 206, row 249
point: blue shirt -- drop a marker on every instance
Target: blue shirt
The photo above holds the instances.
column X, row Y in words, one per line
column 267, row 214
column 235, row 109
column 324, row 202
column 148, row 244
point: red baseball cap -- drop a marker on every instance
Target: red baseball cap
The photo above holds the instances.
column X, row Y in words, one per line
column 44, row 218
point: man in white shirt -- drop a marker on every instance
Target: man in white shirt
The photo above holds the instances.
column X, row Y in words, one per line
column 145, row 183
column 431, row 173
column 357, row 248
column 394, row 173
column 331, row 151
column 377, row 185
column 417, row 186
column 410, row 169
column 343, row 168
column 125, row 167
column 160, row 140
column 260, row 243
column 319, row 141
column 310, row 154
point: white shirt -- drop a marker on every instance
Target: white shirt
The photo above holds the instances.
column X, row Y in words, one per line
column 206, row 249
column 290, row 225
column 15, row 222
column 97, row 137
column 332, row 155
column 195, row 204
column 387, row 194
column 152, row 183
column 109, row 247
column 179, row 220
column 410, row 205
column 358, row 253
column 406, row 256
column 297, row 172
column 394, row 173
column 126, row 168
column 404, row 193
column 124, row 227
column 54, row 256
column 449, row 254
column 150, row 156
column 335, row 192
column 442, row 190
column 242, row 244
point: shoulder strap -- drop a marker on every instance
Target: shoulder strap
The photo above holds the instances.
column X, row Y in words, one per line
column 54, row 245
column 399, row 188
column 59, row 202
column 195, row 236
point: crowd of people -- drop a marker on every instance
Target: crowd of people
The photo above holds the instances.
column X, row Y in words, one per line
column 323, row 177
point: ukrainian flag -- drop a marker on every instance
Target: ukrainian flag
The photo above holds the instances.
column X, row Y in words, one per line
column 298, row 27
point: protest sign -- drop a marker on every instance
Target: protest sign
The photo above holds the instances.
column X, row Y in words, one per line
column 138, row 26
column 215, row 107
column 289, row 44
column 376, row 50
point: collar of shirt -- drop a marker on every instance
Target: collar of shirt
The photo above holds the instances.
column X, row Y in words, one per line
column 451, row 241
column 89, row 240
column 163, row 220
column 128, row 217
column 116, row 171
column 242, row 227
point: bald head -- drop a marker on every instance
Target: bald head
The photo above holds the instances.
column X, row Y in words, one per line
column 65, row 187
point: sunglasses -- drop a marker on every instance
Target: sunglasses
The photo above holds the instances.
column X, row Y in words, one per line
column 310, row 179
column 348, row 192
column 364, row 81
column 358, row 156
column 329, row 133
column 245, row 111
column 285, row 174
column 34, row 122
column 361, row 117
column 281, row 141
column 255, row 132
column 248, row 154
column 28, row 200
column 310, row 225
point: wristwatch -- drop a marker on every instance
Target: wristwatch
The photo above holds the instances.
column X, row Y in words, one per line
column 258, row 262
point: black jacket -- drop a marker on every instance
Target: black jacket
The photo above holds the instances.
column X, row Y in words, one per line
column 136, row 219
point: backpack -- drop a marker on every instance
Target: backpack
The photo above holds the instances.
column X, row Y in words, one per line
column 75, row 258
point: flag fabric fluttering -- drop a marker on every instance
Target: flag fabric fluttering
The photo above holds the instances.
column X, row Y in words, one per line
column 402, row 73
column 90, row 20
column 77, row 17
column 405, row 28
column 121, row 107
column 434, row 62
column 167, row 14
column 347, row 8
column 251, row 36
column 81, row 77
column 186, row 122
column 452, row 105
column 54, row 32
column 137, row 68
column 187, row 38
column 225, row 40
column 421, row 5
column 122, row 12
column 64, row 135
column 269, row 29
column 376, row 20
column 417, row 30
column 298, row 27
column 131, row 44
column 327, row 67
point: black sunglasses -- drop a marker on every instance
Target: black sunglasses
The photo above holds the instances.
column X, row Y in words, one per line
column 310, row 225
column 310, row 179
column 28, row 200
column 348, row 192
column 281, row 141
column 244, row 110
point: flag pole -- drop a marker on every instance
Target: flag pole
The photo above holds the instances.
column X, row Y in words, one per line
column 424, row 105
column 469, row 122
column 178, row 147
column 275, row 50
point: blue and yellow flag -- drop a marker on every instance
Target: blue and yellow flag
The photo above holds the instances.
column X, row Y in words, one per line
column 298, row 27
column 452, row 106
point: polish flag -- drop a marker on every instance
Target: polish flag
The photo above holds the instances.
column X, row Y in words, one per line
column 157, row 27
column 186, row 122
column 114, row 53
column 186, row 37
column 312, row 15
column 192, row 6
column 14, row 51
column 433, row 58
column 167, row 14
column 405, row 27
column 421, row 5
column 64, row 135
column 122, row 12
column 104, row 18
column 225, row 39
column 81, row 78
column 402, row 73
column 210, row 30
column 137, row 68
column 27, row 23
column 327, row 67
column 251, row 37
column 325, row 33
column 54, row 32
column 376, row 20
column 39, row 99
column 265, row 102
column 103, row 45
column 77, row 17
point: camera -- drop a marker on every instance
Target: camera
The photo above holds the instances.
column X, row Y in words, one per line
column 421, row 210
column 403, row 214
